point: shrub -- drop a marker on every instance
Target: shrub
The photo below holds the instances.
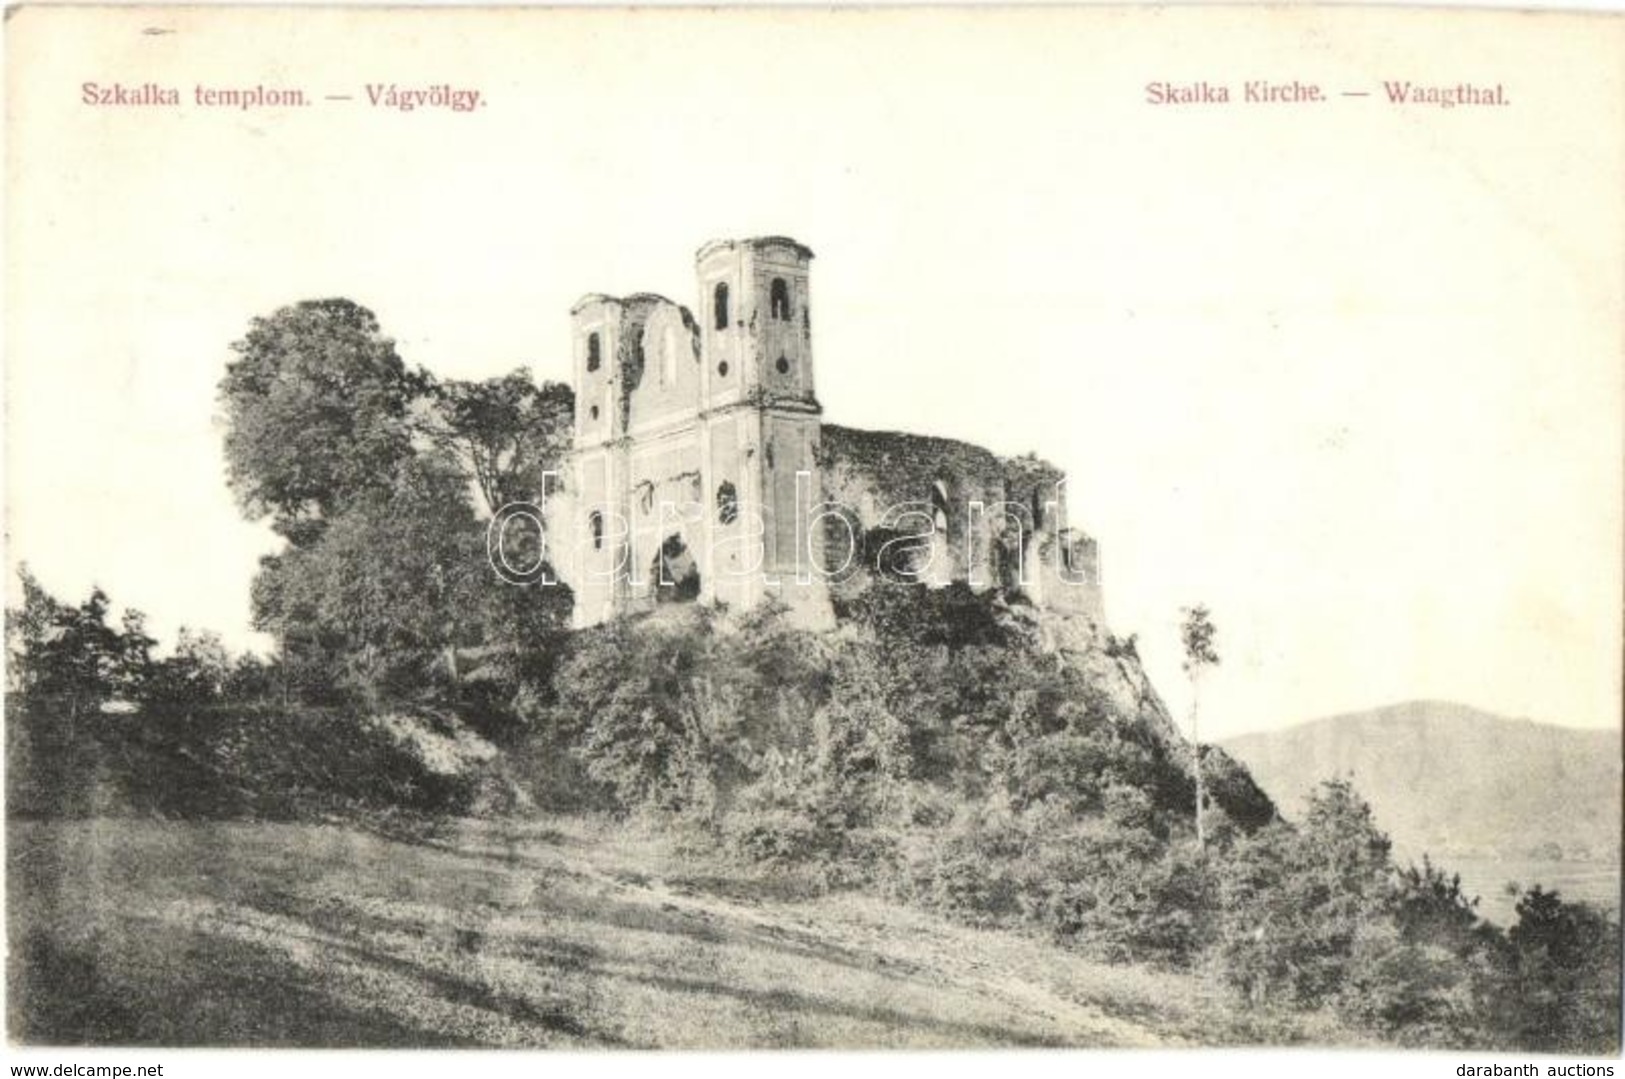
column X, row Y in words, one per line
column 1419, row 994
column 1118, row 891
column 973, row 871
column 1112, row 889
column 1558, row 988
column 1420, row 969
column 1123, row 647
column 1293, row 900
column 1076, row 769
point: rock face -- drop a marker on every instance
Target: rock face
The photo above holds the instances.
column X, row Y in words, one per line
column 1113, row 668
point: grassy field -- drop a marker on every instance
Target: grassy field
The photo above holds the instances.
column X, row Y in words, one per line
column 562, row 932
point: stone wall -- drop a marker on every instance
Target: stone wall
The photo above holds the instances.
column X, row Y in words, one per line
column 947, row 510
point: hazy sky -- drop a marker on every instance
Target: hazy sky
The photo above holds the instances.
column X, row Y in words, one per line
column 1348, row 374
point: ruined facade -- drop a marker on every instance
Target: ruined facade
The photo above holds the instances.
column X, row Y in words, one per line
column 702, row 470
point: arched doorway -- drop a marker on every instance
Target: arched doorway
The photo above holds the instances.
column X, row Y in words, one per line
column 675, row 575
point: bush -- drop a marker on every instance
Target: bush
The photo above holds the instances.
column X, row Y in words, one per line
column 1076, row 769
column 1294, row 900
column 974, row 870
column 1123, row 647
column 1120, row 892
column 780, row 836
column 1558, row 988
column 1112, row 889
column 1423, row 995
column 1420, row 970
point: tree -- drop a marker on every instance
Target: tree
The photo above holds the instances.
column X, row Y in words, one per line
column 1560, row 989
column 1294, row 901
column 393, row 584
column 66, row 664
column 366, row 468
column 1421, row 971
column 1429, row 906
column 506, row 431
column 69, row 655
column 29, row 628
column 398, row 598
column 198, row 672
column 317, row 411
column 1197, row 633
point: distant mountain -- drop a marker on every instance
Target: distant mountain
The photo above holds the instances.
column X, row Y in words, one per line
column 1453, row 781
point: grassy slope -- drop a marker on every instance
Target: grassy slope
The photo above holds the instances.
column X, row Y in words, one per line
column 559, row 933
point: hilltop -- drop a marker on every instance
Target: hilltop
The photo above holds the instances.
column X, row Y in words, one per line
column 1456, row 781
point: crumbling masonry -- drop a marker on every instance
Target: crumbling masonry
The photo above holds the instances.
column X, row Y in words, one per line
column 702, row 470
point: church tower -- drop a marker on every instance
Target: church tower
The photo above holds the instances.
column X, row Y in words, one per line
column 700, row 461
column 759, row 424
column 757, row 322
column 595, row 532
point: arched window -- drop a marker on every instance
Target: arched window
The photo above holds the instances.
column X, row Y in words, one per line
column 595, row 524
column 594, row 355
column 719, row 304
column 676, row 576
column 727, row 503
column 939, row 506
column 779, row 299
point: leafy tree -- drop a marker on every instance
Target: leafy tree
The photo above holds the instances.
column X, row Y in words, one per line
column 69, row 655
column 29, row 629
column 134, row 666
column 317, row 412
column 1560, row 987
column 1422, row 972
column 506, row 431
column 1430, row 907
column 66, row 664
column 395, row 583
column 200, row 671
column 623, row 691
column 1197, row 633
column 249, row 678
column 1295, row 900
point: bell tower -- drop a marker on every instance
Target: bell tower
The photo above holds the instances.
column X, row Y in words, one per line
column 759, row 418
column 756, row 321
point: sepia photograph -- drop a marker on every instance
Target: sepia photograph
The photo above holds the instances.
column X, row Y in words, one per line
column 780, row 528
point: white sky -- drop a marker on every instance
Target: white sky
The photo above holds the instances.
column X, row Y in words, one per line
column 1350, row 375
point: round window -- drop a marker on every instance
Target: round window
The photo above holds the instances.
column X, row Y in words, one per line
column 722, row 368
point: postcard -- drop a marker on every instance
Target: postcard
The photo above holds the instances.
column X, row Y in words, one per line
column 786, row 527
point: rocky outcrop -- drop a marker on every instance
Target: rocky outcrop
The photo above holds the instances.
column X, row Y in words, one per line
column 1112, row 667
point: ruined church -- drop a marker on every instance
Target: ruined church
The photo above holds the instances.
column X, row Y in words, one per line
column 702, row 470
